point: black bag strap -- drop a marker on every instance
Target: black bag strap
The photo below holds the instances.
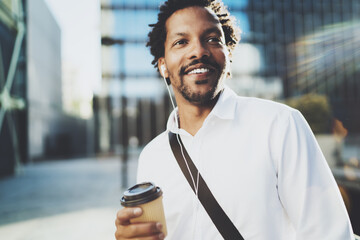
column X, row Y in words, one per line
column 207, row 199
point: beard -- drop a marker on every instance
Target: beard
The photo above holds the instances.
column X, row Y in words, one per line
column 197, row 97
column 200, row 98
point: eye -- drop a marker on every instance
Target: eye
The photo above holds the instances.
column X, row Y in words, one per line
column 215, row 40
column 180, row 42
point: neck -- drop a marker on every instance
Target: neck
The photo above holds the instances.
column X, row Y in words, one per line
column 192, row 116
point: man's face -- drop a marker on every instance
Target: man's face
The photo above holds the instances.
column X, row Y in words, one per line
column 196, row 57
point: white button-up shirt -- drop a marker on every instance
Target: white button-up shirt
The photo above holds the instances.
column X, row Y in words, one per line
column 264, row 167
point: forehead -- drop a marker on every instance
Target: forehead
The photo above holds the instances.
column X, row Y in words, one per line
column 191, row 18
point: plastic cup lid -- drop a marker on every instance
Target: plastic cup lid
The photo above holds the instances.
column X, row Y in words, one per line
column 139, row 194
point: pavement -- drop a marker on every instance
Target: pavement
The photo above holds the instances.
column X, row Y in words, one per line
column 63, row 199
column 73, row 199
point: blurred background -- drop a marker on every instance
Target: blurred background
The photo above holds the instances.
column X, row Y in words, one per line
column 79, row 99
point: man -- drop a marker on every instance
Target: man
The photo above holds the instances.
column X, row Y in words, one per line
column 259, row 158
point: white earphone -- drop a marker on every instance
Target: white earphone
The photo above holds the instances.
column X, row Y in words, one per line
column 167, row 83
column 163, row 68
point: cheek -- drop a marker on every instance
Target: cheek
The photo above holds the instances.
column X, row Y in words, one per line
column 173, row 62
column 222, row 57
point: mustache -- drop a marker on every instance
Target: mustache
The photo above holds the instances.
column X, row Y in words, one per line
column 197, row 61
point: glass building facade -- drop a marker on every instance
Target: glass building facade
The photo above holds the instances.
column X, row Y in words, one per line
column 312, row 46
column 13, row 131
column 304, row 53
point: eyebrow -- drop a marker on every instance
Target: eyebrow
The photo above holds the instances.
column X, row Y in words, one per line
column 212, row 30
column 207, row 31
column 180, row 34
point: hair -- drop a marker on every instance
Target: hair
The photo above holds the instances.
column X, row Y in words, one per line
column 157, row 35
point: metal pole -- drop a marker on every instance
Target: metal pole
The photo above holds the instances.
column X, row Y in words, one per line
column 125, row 138
column 124, row 125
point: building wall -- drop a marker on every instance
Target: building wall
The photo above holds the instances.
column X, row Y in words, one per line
column 44, row 76
column 52, row 133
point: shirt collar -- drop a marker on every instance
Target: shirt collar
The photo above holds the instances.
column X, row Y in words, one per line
column 223, row 109
column 225, row 106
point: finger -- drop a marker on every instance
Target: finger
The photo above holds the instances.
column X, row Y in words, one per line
column 124, row 215
column 160, row 236
column 140, row 229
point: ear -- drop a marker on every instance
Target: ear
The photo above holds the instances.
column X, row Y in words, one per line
column 162, row 68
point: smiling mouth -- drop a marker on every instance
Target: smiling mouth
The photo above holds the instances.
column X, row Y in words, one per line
column 201, row 74
column 199, row 71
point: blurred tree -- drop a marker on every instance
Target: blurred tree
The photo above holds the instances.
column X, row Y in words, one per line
column 316, row 110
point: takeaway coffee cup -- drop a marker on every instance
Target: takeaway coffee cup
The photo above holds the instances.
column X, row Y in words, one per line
column 148, row 197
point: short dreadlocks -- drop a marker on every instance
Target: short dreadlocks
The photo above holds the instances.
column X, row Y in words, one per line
column 157, row 35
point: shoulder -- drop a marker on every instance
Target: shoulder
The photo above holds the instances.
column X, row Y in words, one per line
column 242, row 104
column 156, row 151
column 154, row 158
column 150, row 157
column 264, row 109
column 158, row 144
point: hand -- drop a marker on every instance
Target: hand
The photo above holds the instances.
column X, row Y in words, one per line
column 139, row 231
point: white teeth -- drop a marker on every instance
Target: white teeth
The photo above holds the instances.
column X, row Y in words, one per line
column 199, row 70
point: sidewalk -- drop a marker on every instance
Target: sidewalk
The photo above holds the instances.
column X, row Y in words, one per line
column 69, row 199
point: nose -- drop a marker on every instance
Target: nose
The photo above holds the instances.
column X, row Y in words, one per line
column 198, row 50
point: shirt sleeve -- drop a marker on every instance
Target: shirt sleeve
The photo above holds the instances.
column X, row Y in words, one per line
column 306, row 186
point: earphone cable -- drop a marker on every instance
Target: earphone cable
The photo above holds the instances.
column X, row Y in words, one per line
column 196, row 185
